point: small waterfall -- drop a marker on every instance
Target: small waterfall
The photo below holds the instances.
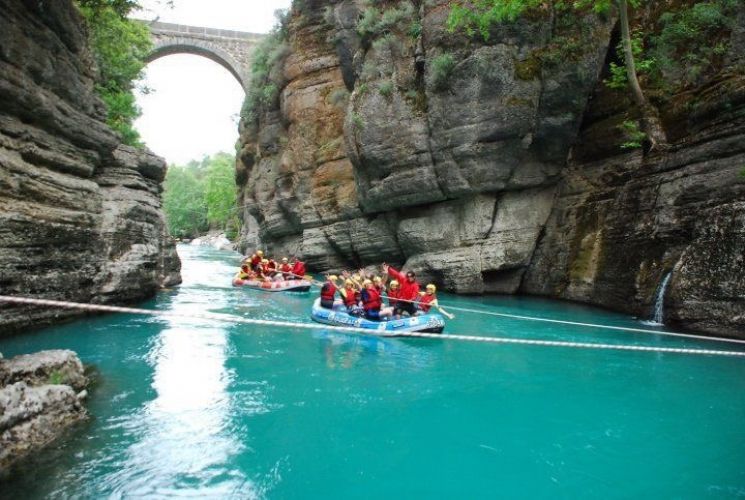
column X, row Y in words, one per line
column 659, row 300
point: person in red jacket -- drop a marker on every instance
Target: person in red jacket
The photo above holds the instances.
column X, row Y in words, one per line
column 409, row 290
column 328, row 292
column 394, row 290
column 255, row 260
column 350, row 296
column 298, row 270
column 427, row 299
column 371, row 301
column 286, row 269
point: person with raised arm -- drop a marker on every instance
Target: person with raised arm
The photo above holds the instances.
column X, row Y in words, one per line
column 409, row 289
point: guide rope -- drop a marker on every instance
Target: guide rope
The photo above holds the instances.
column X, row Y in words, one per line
column 312, row 326
column 566, row 322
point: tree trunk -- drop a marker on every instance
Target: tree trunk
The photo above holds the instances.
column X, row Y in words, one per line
column 628, row 56
column 651, row 124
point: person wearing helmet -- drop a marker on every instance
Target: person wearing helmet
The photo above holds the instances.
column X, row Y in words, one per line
column 371, row 301
column 350, row 296
column 394, row 291
column 298, row 270
column 409, row 289
column 255, row 260
column 427, row 299
column 379, row 285
column 328, row 292
column 285, row 268
column 244, row 273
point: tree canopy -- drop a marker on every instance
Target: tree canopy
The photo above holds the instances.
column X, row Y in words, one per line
column 201, row 195
column 120, row 46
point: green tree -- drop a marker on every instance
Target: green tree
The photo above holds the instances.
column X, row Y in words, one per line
column 480, row 15
column 120, row 46
column 220, row 190
column 201, row 195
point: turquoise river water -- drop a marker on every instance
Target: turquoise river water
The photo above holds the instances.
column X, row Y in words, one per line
column 197, row 408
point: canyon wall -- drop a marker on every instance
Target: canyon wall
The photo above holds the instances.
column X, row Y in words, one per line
column 80, row 213
column 494, row 166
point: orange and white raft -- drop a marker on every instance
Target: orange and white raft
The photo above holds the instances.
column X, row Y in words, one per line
column 274, row 286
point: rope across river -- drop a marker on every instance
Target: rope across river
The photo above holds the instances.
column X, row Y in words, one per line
column 312, row 326
column 574, row 323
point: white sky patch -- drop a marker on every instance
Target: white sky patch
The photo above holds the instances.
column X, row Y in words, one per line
column 256, row 16
column 193, row 110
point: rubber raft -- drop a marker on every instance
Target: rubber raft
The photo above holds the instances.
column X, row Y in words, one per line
column 274, row 286
column 338, row 316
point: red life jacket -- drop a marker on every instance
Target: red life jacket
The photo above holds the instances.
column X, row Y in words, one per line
column 255, row 260
column 328, row 290
column 272, row 265
column 285, row 268
column 298, row 268
column 371, row 299
column 425, row 302
column 350, row 297
column 409, row 290
column 393, row 296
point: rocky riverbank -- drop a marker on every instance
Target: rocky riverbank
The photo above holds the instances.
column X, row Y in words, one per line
column 498, row 166
column 80, row 213
column 41, row 396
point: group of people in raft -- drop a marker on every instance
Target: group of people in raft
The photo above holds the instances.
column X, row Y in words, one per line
column 363, row 296
column 256, row 267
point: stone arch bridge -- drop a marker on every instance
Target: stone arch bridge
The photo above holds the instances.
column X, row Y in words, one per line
column 232, row 50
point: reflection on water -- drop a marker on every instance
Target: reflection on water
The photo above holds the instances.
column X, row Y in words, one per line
column 200, row 409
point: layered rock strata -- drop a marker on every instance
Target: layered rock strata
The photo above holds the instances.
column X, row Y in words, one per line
column 80, row 213
column 496, row 166
column 40, row 397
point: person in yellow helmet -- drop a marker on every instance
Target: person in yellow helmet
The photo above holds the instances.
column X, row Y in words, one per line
column 328, row 292
column 428, row 300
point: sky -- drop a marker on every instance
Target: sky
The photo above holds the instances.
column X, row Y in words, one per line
column 193, row 108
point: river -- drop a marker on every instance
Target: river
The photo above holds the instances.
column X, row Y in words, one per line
column 197, row 408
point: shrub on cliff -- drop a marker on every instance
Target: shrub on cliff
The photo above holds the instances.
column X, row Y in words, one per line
column 441, row 70
column 120, row 46
column 267, row 77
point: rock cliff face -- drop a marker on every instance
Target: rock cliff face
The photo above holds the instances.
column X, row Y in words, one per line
column 80, row 213
column 493, row 167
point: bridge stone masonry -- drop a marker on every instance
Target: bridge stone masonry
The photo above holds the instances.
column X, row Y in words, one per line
column 232, row 50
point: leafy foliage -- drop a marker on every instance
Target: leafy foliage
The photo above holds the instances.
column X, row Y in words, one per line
column 267, row 78
column 441, row 70
column 375, row 22
column 386, row 88
column 633, row 134
column 120, row 46
column 200, row 195
column 692, row 41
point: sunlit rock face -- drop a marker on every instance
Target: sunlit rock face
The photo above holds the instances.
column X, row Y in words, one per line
column 505, row 176
column 80, row 213
column 368, row 158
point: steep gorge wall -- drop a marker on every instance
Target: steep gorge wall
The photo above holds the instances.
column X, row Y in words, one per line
column 80, row 213
column 368, row 157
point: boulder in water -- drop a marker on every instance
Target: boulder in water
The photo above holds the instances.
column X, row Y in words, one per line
column 39, row 399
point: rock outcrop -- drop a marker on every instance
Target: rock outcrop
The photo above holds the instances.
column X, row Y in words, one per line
column 80, row 213
column 495, row 167
column 40, row 397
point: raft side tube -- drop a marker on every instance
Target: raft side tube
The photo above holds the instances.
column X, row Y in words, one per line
column 274, row 286
column 338, row 316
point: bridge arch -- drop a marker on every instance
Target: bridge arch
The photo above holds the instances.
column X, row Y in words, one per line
column 211, row 51
column 233, row 50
